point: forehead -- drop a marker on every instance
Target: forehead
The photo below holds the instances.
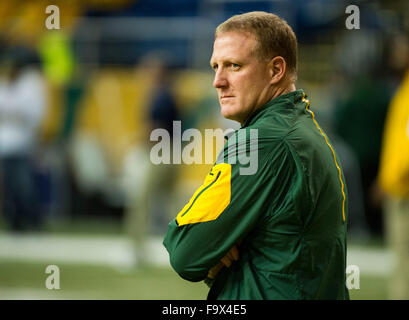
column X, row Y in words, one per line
column 234, row 44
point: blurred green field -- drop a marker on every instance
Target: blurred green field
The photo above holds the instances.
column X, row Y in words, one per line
column 20, row 280
column 25, row 279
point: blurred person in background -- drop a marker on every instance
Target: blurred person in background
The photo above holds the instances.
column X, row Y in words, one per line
column 152, row 204
column 393, row 178
column 22, row 107
column 362, row 98
column 163, row 111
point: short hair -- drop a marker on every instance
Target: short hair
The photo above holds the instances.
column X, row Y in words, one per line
column 273, row 34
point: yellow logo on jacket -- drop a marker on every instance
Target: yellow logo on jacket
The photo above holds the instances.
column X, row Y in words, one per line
column 210, row 200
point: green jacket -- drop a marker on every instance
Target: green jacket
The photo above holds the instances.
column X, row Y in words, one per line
column 289, row 217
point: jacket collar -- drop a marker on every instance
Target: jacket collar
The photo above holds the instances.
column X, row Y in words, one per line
column 289, row 98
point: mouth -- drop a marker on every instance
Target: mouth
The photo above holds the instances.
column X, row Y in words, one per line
column 226, row 97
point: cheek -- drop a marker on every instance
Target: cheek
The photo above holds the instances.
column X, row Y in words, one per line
column 249, row 93
column 247, row 87
column 243, row 86
column 256, row 86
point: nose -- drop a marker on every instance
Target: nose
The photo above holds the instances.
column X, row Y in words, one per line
column 220, row 80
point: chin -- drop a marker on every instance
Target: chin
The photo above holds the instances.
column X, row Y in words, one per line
column 230, row 113
column 227, row 113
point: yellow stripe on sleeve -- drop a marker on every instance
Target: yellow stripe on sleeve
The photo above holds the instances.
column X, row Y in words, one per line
column 210, row 200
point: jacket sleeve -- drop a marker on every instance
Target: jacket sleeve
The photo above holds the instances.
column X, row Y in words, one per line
column 227, row 206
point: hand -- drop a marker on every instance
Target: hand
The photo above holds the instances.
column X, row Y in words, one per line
column 227, row 260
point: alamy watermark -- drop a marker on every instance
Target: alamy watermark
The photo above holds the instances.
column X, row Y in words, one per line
column 352, row 277
column 53, row 280
column 353, row 20
column 53, row 20
column 241, row 148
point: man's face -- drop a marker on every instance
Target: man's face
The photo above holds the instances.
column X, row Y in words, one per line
column 242, row 79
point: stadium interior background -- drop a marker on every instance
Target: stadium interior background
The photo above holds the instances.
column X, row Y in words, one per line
column 99, row 70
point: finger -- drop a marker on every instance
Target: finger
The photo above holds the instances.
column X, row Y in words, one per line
column 215, row 270
column 229, row 256
column 234, row 253
column 226, row 261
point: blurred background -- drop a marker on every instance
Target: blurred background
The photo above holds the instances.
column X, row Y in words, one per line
column 78, row 104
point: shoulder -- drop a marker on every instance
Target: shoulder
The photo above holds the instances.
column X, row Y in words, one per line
column 259, row 152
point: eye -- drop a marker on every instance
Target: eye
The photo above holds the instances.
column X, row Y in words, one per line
column 214, row 67
column 235, row 66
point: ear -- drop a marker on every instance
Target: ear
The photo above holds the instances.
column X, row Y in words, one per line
column 278, row 69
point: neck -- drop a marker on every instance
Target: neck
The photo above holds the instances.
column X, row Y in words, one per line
column 278, row 91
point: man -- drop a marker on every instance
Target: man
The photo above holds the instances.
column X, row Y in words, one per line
column 279, row 233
